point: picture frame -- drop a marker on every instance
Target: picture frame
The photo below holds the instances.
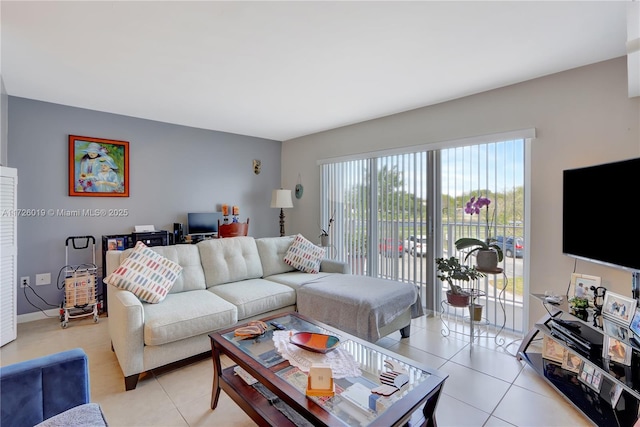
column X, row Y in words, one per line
column 618, row 308
column 116, row 244
column 615, row 330
column 581, row 284
column 634, row 326
column 112, row 245
column 616, row 350
column 552, row 350
column 590, row 375
column 571, row 362
column 614, row 394
column 98, row 167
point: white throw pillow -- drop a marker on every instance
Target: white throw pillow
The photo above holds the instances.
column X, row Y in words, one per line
column 304, row 255
column 145, row 273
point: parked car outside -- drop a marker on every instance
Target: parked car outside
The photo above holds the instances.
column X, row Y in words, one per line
column 416, row 245
column 389, row 247
column 511, row 246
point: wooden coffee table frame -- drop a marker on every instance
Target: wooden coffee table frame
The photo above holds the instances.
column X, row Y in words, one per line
column 264, row 413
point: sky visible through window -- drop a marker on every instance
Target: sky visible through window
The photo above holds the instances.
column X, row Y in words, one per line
column 497, row 167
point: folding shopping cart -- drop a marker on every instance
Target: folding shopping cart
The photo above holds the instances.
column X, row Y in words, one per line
column 80, row 299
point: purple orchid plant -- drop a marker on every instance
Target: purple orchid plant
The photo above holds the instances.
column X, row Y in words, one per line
column 474, row 207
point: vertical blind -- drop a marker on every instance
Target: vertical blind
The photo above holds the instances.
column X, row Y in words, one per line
column 381, row 208
column 377, row 204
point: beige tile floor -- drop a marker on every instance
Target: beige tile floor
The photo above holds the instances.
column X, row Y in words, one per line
column 487, row 386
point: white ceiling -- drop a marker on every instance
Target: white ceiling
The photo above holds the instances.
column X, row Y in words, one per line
column 281, row 70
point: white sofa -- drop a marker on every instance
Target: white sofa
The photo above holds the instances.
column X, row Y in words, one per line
column 223, row 282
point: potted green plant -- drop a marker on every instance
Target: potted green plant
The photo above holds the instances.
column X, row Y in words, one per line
column 579, row 306
column 451, row 271
column 489, row 252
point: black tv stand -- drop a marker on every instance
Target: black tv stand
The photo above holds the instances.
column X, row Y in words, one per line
column 579, row 338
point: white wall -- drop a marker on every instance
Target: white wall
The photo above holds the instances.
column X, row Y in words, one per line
column 582, row 117
column 4, row 123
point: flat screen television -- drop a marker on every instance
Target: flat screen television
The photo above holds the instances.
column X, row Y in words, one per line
column 203, row 222
column 599, row 221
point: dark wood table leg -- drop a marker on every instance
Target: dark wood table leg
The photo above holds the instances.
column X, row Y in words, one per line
column 217, row 372
column 429, row 409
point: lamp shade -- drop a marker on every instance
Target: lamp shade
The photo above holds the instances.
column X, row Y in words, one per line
column 281, row 199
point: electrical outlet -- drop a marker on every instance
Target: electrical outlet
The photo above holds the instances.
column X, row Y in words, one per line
column 24, row 281
column 43, row 279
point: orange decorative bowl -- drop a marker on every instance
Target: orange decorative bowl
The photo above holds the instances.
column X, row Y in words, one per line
column 318, row 343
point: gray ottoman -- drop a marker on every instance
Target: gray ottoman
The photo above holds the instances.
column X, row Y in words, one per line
column 366, row 307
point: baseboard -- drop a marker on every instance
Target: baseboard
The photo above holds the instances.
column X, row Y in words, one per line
column 54, row 313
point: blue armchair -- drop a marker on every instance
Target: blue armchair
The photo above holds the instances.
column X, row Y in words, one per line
column 53, row 389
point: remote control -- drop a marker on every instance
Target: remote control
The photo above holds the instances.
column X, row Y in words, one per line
column 244, row 375
column 567, row 324
column 278, row 326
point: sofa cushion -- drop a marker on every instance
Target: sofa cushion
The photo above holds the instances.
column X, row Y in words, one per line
column 188, row 257
column 145, row 273
column 304, row 255
column 229, row 260
column 272, row 251
column 256, row 296
column 358, row 305
column 296, row 279
column 186, row 314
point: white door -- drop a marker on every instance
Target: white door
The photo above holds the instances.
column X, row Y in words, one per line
column 8, row 254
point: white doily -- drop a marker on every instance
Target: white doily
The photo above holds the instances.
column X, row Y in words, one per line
column 342, row 362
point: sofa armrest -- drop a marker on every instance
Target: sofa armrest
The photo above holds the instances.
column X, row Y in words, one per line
column 126, row 329
column 331, row 266
column 37, row 389
column 112, row 261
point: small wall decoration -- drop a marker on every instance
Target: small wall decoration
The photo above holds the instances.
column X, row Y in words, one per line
column 98, row 167
column 257, row 165
column 299, row 188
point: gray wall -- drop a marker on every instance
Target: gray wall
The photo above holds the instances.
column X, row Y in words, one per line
column 582, row 117
column 173, row 170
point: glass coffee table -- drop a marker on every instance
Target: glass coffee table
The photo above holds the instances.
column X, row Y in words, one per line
column 279, row 396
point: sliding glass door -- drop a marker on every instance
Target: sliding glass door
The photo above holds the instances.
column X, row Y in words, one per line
column 395, row 214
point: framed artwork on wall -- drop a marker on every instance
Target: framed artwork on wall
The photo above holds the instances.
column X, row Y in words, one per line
column 98, row 167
